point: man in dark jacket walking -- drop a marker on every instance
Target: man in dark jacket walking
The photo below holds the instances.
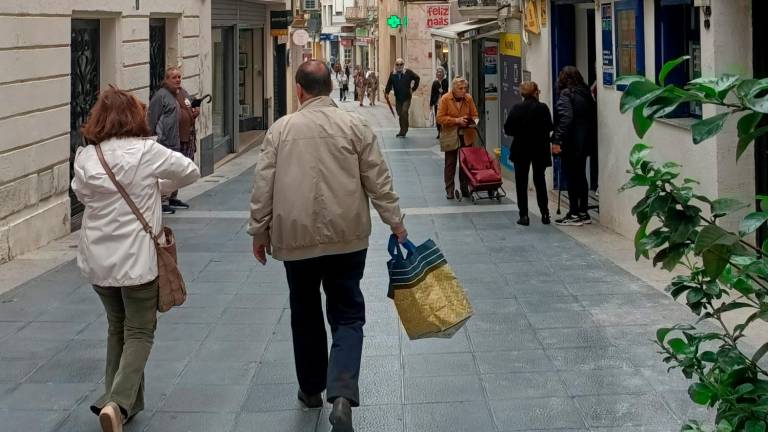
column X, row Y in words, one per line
column 575, row 139
column 404, row 82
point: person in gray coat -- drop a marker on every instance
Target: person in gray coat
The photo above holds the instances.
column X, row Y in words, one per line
column 172, row 119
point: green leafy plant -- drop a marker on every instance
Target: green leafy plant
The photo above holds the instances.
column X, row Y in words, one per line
column 722, row 271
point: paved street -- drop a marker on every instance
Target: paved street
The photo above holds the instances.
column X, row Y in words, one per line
column 560, row 339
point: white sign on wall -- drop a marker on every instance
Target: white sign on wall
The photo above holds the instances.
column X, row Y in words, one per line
column 300, row 37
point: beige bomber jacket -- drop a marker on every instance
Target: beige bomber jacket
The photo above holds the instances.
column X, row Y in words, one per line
column 317, row 171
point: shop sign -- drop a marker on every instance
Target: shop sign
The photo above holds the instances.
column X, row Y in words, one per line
column 279, row 22
column 607, row 32
column 438, row 16
column 361, row 32
column 543, row 8
column 532, row 17
column 300, row 37
column 511, row 44
column 346, row 43
column 325, row 37
column 363, row 41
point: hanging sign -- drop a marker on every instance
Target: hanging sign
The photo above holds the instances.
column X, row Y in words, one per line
column 279, row 21
column 607, row 32
column 543, row 9
column 346, row 43
column 438, row 16
column 532, row 17
column 361, row 32
column 300, row 37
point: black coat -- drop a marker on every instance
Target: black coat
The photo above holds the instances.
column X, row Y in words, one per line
column 439, row 88
column 403, row 86
column 576, row 122
column 529, row 124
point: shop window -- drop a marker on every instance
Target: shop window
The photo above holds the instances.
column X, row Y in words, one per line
column 678, row 33
column 630, row 45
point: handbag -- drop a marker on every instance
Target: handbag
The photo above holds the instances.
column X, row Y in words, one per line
column 171, row 288
column 430, row 300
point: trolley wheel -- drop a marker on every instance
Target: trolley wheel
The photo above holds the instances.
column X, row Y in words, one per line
column 498, row 198
column 491, row 193
column 474, row 200
column 457, row 195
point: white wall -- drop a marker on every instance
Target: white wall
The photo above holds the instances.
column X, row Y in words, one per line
column 35, row 85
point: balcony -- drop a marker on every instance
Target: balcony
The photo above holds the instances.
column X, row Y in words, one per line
column 488, row 8
column 357, row 14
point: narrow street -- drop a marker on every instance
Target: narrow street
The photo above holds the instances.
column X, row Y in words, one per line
column 561, row 338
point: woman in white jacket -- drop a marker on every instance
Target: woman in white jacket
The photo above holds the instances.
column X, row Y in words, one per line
column 116, row 255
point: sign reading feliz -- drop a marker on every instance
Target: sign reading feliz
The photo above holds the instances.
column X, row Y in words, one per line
column 438, row 16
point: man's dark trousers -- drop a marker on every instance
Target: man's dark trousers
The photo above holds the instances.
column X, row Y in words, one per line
column 340, row 277
column 402, row 107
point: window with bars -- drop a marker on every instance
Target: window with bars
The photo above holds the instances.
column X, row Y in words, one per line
column 311, row 4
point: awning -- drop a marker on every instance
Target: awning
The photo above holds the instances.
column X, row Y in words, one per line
column 467, row 29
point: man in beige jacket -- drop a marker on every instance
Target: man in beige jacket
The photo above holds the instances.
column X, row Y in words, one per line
column 318, row 170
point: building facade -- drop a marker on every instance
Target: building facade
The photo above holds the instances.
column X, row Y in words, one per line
column 55, row 57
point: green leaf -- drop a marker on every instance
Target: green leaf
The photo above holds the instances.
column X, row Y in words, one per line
column 638, row 154
column 754, row 426
column 744, row 89
column 702, row 130
column 694, row 296
column 639, row 236
column 746, row 140
column 752, row 222
column 734, row 306
column 716, row 259
column 759, row 104
column 725, row 84
column 700, row 393
column 760, row 353
column 638, row 93
column 670, row 257
column 641, row 123
column 709, row 357
column 712, row 235
column 678, row 346
column 746, row 127
column 662, row 333
column 669, row 66
column 725, row 206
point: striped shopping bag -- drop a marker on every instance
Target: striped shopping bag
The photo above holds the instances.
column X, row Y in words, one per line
column 429, row 298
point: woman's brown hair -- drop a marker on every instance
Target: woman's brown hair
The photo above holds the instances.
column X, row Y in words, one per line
column 117, row 114
column 570, row 77
column 529, row 89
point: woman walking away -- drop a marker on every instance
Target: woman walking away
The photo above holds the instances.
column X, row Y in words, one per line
column 439, row 88
column 457, row 115
column 343, row 79
column 574, row 139
column 360, row 84
column 116, row 255
column 530, row 125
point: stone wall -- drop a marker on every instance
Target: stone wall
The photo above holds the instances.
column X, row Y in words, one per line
column 35, row 90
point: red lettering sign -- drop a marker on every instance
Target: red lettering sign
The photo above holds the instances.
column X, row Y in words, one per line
column 438, row 16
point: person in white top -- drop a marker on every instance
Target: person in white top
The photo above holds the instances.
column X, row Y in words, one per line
column 116, row 255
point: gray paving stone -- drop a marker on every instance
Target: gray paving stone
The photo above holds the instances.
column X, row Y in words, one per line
column 421, row 365
column 172, row 350
column 551, row 320
column 457, row 344
column 282, row 372
column 606, row 382
column 238, row 352
column 272, row 397
column 278, row 421
column 191, row 422
column 546, row 305
column 44, row 396
column 500, row 362
column 75, row 314
column 250, row 316
column 620, row 411
column 33, row 420
column 9, row 328
column 208, row 300
column 14, row 371
column 50, row 330
column 222, row 276
column 590, row 358
column 528, row 414
column 382, row 418
column 205, row 398
column 685, row 409
column 17, row 348
column 242, row 332
column 381, row 381
column 171, row 331
column 451, row 416
column 523, row 385
column 443, row 389
column 190, row 315
column 497, row 323
column 65, row 369
column 218, row 373
column 573, row 337
column 381, row 345
column 214, row 288
column 260, row 301
column 514, row 341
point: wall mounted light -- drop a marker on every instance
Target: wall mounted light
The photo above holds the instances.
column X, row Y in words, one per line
column 707, row 9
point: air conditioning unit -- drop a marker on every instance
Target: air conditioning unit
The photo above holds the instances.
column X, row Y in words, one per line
column 311, row 4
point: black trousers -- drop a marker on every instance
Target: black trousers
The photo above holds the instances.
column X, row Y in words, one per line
column 522, row 168
column 575, row 167
column 340, row 277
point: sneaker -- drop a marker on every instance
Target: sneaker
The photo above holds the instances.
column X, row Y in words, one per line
column 585, row 219
column 341, row 416
column 570, row 220
column 167, row 209
column 311, row 401
column 177, row 203
column 110, row 418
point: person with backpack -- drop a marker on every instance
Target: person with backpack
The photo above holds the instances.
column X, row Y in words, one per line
column 574, row 140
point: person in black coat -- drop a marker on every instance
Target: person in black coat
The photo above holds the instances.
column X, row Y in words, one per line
column 529, row 123
column 404, row 83
column 439, row 88
column 574, row 140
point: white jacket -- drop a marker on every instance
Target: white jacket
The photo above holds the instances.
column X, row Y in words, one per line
column 114, row 249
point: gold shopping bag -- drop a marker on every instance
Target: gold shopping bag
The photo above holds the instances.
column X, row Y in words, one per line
column 429, row 298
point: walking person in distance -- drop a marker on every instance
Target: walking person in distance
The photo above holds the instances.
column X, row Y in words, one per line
column 439, row 88
column 172, row 119
column 529, row 123
column 116, row 255
column 404, row 82
column 575, row 138
column 317, row 172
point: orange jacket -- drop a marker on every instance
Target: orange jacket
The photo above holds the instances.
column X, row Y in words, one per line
column 451, row 109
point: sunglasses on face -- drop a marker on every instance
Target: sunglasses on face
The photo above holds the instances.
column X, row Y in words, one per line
column 399, row 64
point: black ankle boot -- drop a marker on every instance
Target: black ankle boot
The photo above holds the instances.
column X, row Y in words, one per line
column 545, row 219
column 524, row 221
column 341, row 416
